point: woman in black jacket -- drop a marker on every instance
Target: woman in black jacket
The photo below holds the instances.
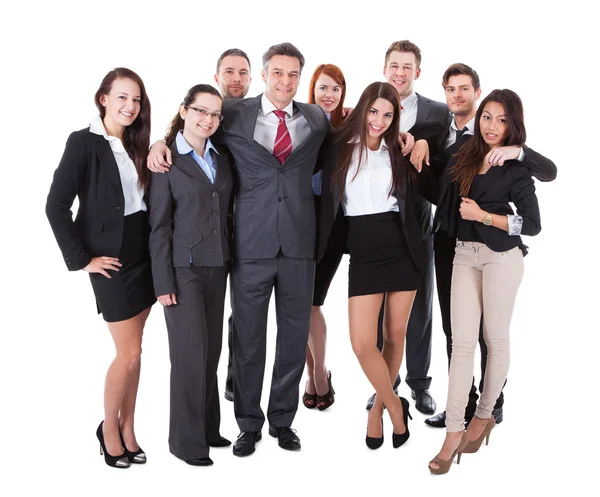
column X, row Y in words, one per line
column 366, row 175
column 105, row 167
column 488, row 265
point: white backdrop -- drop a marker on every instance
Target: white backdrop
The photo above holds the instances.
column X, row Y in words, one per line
column 54, row 350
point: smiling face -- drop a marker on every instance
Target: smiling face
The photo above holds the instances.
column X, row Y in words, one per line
column 282, row 77
column 461, row 97
column 379, row 118
column 122, row 104
column 234, row 77
column 200, row 117
column 493, row 124
column 328, row 93
column 401, row 71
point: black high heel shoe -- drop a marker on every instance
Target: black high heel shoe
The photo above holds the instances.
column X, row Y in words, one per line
column 119, row 461
column 326, row 401
column 401, row 439
column 373, row 442
column 137, row 457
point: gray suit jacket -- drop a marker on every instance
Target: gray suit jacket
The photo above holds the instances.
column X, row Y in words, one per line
column 274, row 203
column 189, row 217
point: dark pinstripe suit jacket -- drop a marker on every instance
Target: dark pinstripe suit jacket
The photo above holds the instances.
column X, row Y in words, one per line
column 189, row 217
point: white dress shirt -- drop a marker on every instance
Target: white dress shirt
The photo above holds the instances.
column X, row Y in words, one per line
column 454, row 128
column 369, row 191
column 132, row 192
column 408, row 114
column 267, row 124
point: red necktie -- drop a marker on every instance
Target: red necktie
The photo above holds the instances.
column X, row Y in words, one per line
column 283, row 141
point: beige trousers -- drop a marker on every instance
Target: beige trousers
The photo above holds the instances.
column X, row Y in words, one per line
column 483, row 282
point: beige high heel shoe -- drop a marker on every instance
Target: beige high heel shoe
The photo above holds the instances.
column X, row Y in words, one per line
column 473, row 445
column 443, row 465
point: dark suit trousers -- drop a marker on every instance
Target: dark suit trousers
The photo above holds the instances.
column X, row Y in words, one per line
column 195, row 328
column 252, row 282
column 418, row 332
column 444, row 256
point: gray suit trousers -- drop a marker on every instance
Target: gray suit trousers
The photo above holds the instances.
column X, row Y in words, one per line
column 195, row 328
column 252, row 282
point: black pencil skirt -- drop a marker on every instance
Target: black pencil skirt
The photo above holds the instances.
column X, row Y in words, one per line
column 130, row 290
column 380, row 260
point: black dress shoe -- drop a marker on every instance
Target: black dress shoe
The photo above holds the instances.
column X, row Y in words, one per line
column 200, row 461
column 287, row 437
column 423, row 401
column 371, row 400
column 228, row 394
column 437, row 421
column 219, row 442
column 498, row 415
column 245, row 443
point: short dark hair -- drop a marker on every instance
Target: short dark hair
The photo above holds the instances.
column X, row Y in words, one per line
column 404, row 46
column 459, row 68
column 236, row 52
column 282, row 49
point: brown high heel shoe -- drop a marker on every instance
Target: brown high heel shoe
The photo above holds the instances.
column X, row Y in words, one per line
column 443, row 465
column 473, row 445
column 326, row 401
column 309, row 399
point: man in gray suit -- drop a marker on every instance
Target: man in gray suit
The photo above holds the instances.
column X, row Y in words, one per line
column 275, row 143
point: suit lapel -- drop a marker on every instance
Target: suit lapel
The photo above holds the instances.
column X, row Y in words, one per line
column 249, row 116
column 188, row 164
column 486, row 181
column 312, row 124
column 222, row 168
column 107, row 160
column 423, row 109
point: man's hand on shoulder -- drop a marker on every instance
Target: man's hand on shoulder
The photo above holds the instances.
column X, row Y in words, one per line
column 159, row 158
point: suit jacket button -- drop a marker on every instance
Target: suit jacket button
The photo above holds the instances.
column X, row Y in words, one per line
column 215, row 213
column 215, row 231
column 214, row 194
column 279, row 199
column 117, row 207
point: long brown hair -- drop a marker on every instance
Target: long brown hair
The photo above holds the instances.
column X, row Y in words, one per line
column 470, row 156
column 335, row 73
column 177, row 123
column 355, row 127
column 136, row 137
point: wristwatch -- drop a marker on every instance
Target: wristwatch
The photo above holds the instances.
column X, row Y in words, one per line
column 487, row 220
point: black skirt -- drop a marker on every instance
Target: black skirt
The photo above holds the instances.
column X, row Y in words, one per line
column 130, row 290
column 329, row 263
column 380, row 260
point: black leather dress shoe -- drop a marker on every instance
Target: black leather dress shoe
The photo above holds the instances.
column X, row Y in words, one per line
column 437, row 421
column 371, row 400
column 245, row 443
column 200, row 461
column 228, row 394
column 287, row 437
column 423, row 401
column 219, row 442
column 498, row 415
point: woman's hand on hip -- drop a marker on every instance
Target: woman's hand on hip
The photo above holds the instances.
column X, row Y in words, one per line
column 101, row 264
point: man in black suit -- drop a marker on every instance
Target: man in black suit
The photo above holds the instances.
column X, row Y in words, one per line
column 462, row 88
column 424, row 119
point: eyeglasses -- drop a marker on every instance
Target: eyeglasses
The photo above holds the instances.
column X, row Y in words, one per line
column 204, row 112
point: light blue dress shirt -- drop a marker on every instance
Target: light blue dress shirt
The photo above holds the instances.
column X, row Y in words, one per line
column 206, row 163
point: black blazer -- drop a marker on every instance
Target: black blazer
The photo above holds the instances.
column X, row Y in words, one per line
column 433, row 119
column 87, row 170
column 189, row 217
column 499, row 186
column 331, row 205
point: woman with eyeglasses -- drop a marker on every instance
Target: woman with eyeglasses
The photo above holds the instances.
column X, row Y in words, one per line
column 189, row 247
column 104, row 166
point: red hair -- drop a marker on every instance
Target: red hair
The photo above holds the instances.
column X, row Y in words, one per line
column 337, row 75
